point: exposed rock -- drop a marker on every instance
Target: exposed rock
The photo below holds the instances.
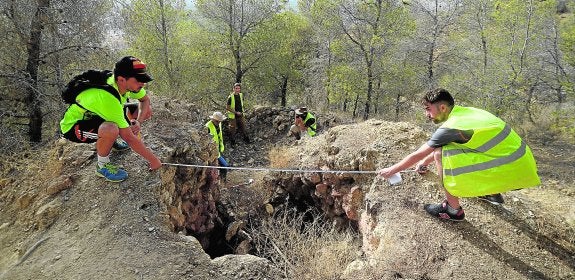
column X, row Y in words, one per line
column 246, row 267
column 233, row 229
column 59, row 184
column 352, row 203
column 48, row 213
column 24, row 201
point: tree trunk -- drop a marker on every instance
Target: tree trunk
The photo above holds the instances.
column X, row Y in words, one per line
column 239, row 71
column 32, row 100
column 355, row 105
column 528, row 102
column 378, row 93
column 283, row 91
column 397, row 106
column 165, row 44
column 369, row 86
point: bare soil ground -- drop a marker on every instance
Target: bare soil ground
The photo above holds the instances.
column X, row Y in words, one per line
column 59, row 221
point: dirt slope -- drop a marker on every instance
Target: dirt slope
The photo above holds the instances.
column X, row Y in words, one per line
column 59, row 221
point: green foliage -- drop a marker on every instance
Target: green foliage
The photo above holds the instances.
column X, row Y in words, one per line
column 509, row 60
column 563, row 124
column 568, row 38
column 154, row 30
column 235, row 44
column 287, row 56
column 361, row 35
column 510, row 57
column 345, row 86
column 567, row 45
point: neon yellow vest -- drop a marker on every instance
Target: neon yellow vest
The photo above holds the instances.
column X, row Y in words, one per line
column 494, row 160
column 217, row 136
column 231, row 114
column 312, row 128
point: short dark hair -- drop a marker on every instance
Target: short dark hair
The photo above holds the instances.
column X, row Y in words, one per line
column 438, row 95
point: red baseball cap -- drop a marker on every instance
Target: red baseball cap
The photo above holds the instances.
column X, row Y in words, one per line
column 130, row 66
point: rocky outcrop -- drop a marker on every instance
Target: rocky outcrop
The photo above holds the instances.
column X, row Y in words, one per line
column 341, row 195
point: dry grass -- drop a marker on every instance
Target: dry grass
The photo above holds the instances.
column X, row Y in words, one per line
column 29, row 162
column 281, row 158
column 305, row 249
column 551, row 123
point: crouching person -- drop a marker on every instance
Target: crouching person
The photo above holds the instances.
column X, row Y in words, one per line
column 476, row 155
column 96, row 114
column 304, row 121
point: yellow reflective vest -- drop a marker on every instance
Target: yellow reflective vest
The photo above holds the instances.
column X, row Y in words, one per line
column 216, row 135
column 494, row 160
column 311, row 129
column 231, row 114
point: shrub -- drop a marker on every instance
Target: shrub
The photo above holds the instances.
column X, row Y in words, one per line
column 304, row 248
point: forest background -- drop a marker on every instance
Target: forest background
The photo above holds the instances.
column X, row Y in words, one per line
column 361, row 59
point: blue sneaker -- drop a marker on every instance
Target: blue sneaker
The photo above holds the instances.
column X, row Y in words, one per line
column 120, row 145
column 111, row 172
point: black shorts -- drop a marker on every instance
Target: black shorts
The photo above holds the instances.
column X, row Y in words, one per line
column 84, row 131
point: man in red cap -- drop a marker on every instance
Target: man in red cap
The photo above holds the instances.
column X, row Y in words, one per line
column 98, row 116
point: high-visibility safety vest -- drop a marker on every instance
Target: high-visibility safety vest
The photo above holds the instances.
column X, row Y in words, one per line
column 311, row 129
column 217, row 135
column 494, row 160
column 231, row 114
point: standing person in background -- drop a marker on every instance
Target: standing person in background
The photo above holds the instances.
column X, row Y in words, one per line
column 97, row 115
column 476, row 155
column 214, row 126
column 236, row 108
column 304, row 121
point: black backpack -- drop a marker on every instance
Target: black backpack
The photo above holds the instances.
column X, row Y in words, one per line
column 86, row 80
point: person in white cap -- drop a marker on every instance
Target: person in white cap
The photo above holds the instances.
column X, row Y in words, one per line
column 214, row 126
column 304, row 121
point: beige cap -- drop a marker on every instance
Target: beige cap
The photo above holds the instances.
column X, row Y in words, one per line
column 218, row 116
column 301, row 111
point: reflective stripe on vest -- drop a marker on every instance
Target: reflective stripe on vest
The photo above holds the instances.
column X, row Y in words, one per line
column 494, row 160
column 487, row 165
column 313, row 127
column 232, row 115
column 217, row 136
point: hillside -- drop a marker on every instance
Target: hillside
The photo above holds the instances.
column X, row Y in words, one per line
column 60, row 221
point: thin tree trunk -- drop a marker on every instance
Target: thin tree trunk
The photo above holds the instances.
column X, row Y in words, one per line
column 355, row 105
column 239, row 72
column 480, row 17
column 32, row 100
column 369, row 86
column 165, row 44
column 528, row 102
column 283, row 92
column 397, row 102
